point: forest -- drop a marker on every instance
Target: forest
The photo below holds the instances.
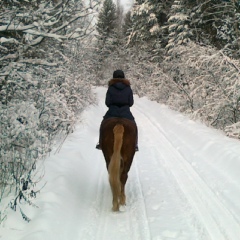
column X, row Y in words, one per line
column 182, row 53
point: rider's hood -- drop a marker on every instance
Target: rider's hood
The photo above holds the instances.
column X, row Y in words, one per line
column 119, row 83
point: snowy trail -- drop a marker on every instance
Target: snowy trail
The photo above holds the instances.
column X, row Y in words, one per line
column 184, row 184
column 208, row 207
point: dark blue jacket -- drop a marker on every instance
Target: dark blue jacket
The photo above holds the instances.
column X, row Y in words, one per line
column 119, row 99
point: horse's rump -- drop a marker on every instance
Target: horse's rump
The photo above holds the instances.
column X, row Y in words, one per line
column 107, row 136
column 118, row 141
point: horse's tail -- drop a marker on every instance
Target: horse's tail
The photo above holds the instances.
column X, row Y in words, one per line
column 115, row 163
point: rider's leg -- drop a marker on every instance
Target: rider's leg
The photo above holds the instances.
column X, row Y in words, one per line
column 98, row 146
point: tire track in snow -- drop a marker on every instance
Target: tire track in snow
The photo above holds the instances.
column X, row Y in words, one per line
column 207, row 206
column 137, row 203
column 167, row 212
column 131, row 223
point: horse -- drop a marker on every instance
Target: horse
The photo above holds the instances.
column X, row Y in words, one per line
column 118, row 142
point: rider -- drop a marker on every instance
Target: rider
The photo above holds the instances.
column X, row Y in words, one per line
column 119, row 99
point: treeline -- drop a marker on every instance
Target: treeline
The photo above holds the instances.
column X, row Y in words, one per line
column 44, row 85
column 181, row 53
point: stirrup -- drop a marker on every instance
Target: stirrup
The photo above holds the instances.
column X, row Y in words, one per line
column 98, row 147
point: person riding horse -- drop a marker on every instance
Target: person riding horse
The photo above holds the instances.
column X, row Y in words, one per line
column 119, row 99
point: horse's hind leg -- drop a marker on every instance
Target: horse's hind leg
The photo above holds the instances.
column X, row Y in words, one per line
column 123, row 197
column 116, row 191
column 124, row 177
column 115, row 201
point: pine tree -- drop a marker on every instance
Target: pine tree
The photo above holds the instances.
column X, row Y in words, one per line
column 148, row 19
column 144, row 22
column 106, row 24
column 110, row 44
column 179, row 31
column 217, row 23
column 127, row 25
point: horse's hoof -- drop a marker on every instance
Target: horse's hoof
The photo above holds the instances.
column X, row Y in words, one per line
column 115, row 209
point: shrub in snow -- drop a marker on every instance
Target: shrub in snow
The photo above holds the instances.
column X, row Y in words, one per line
column 233, row 130
column 31, row 117
column 208, row 83
column 40, row 93
column 197, row 80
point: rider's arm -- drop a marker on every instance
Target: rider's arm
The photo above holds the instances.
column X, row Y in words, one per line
column 108, row 100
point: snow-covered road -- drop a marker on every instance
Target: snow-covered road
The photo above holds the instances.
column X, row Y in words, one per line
column 184, row 184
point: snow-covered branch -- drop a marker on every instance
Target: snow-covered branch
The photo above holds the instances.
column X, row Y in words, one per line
column 18, row 27
column 9, row 56
column 38, row 62
column 40, row 95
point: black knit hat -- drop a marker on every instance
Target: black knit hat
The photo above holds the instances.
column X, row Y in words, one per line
column 118, row 74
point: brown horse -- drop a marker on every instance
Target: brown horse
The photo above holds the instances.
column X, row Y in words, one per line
column 118, row 141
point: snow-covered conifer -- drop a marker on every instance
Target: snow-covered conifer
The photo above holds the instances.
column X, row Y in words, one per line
column 179, row 31
column 107, row 18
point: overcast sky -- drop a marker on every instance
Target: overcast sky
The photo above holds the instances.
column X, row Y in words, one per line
column 127, row 4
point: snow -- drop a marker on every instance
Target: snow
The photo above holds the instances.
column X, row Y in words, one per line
column 127, row 4
column 184, row 184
